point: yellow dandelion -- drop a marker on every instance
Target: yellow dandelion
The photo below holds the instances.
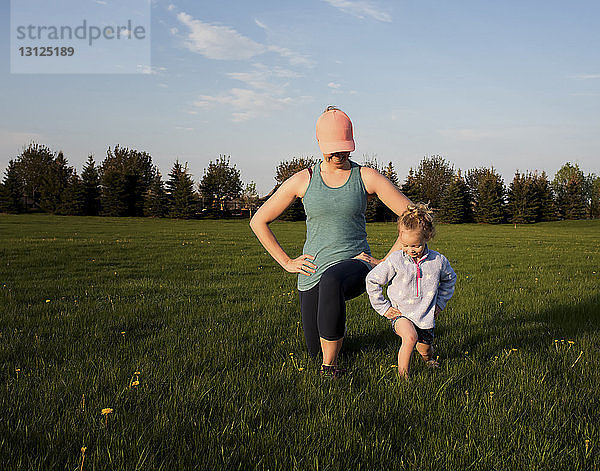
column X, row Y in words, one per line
column 82, row 457
column 135, row 383
column 393, row 366
column 514, row 350
column 123, row 333
column 105, row 413
column 300, row 369
column 137, row 373
column 47, row 300
column 571, row 342
column 291, row 354
column 491, row 394
column 587, row 446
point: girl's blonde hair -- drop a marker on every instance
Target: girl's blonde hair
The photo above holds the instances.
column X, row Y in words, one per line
column 418, row 216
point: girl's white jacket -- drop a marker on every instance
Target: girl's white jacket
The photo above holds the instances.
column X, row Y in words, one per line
column 415, row 286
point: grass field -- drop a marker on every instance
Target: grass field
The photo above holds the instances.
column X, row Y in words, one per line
column 208, row 325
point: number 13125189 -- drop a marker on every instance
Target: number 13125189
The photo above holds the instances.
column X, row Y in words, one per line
column 46, row 51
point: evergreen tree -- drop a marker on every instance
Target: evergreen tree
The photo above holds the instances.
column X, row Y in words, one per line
column 455, row 207
column 72, row 199
column 285, row 170
column 487, row 192
column 128, row 173
column 375, row 208
column 523, row 199
column 220, row 183
column 594, row 195
column 180, row 192
column 91, row 188
column 12, row 199
column 112, row 193
column 410, row 188
column 54, row 184
column 33, row 165
column 155, row 203
column 545, row 195
column 390, row 173
column 5, row 200
column 433, row 176
column 569, row 185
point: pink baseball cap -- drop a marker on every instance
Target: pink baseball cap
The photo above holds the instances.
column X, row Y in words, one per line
column 334, row 132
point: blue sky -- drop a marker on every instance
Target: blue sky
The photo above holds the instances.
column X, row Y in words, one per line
column 511, row 84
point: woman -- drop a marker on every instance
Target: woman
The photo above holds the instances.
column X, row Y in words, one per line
column 336, row 256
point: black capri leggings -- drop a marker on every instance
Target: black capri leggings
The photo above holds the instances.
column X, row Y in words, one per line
column 323, row 306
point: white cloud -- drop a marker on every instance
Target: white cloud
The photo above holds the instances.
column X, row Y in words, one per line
column 218, row 42
column 171, row 7
column 334, row 85
column 260, row 24
column 265, row 78
column 173, row 31
column 585, row 76
column 293, row 57
column 246, row 103
column 100, row 2
column 225, row 43
column 266, row 92
column 361, row 9
column 149, row 70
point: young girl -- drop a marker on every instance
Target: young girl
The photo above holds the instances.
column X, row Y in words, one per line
column 422, row 282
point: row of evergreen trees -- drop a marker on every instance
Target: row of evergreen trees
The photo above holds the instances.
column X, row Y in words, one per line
column 127, row 183
column 480, row 195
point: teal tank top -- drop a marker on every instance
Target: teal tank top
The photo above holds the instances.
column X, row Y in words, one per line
column 335, row 222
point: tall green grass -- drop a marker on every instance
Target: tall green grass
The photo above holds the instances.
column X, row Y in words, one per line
column 211, row 324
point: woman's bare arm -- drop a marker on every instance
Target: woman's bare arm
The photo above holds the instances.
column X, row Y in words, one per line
column 294, row 187
column 388, row 193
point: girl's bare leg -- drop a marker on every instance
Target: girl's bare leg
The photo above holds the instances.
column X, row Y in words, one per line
column 426, row 352
column 405, row 329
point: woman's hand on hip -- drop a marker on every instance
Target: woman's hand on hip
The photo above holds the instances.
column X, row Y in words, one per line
column 302, row 265
column 367, row 258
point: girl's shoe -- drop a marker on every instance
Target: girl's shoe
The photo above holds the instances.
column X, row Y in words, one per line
column 331, row 371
